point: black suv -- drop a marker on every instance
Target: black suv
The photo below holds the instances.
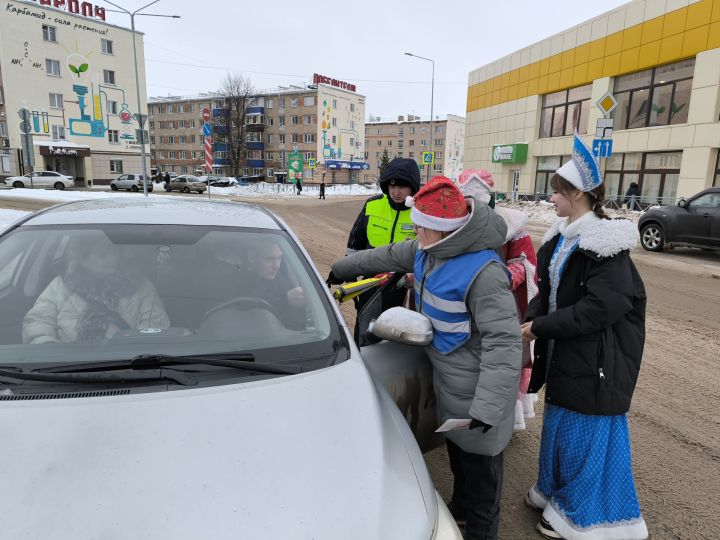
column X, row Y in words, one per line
column 694, row 222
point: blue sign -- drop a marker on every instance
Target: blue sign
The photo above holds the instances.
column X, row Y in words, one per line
column 352, row 165
column 602, row 148
column 207, row 129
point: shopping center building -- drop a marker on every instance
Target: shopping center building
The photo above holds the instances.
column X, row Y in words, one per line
column 74, row 74
column 659, row 59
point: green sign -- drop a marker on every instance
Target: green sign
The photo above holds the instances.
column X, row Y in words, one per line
column 510, row 153
column 295, row 167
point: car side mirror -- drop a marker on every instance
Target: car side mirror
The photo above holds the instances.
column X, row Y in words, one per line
column 682, row 203
column 403, row 326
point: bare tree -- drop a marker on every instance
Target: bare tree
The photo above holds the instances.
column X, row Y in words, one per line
column 238, row 94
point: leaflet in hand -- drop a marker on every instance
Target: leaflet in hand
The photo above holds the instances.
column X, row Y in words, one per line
column 454, row 423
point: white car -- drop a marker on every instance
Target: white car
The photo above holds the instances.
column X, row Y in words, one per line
column 41, row 179
column 131, row 182
column 216, row 412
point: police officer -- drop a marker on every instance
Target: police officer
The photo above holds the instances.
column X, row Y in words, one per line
column 385, row 219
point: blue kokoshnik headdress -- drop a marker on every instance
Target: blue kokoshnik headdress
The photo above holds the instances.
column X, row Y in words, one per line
column 583, row 170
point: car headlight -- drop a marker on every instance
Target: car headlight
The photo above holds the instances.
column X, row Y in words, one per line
column 445, row 528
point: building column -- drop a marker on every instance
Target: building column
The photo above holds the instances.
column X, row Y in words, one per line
column 87, row 165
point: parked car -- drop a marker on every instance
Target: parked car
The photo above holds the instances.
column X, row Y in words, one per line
column 186, row 183
column 693, row 222
column 223, row 422
column 216, row 180
column 41, row 179
column 131, row 182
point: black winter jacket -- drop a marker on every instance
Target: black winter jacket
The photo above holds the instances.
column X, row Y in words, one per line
column 598, row 327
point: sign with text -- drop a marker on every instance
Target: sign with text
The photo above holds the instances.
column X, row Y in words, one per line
column 510, row 153
column 64, row 151
column 322, row 79
column 86, row 9
column 352, row 165
column 295, row 166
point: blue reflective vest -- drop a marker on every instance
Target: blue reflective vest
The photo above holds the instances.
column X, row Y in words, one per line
column 440, row 295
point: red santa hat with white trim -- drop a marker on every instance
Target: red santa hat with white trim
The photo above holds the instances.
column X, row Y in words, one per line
column 439, row 206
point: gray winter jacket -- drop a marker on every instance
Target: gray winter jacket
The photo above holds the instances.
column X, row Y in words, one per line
column 480, row 379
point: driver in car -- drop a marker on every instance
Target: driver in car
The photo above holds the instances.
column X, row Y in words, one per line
column 93, row 299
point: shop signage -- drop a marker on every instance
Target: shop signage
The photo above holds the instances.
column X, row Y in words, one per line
column 86, row 9
column 295, row 166
column 510, row 153
column 352, row 165
column 322, row 79
column 64, row 151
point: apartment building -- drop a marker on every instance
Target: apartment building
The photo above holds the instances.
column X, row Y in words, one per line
column 74, row 74
column 661, row 62
column 409, row 137
column 323, row 123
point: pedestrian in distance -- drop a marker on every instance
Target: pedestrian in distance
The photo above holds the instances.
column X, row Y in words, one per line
column 476, row 350
column 518, row 253
column 588, row 321
column 632, row 197
column 322, row 187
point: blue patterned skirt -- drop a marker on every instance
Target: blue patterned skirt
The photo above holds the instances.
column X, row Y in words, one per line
column 585, row 483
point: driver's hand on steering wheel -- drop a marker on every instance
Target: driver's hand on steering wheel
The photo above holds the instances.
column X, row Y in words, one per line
column 296, row 297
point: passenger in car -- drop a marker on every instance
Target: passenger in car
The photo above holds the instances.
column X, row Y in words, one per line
column 93, row 298
column 462, row 286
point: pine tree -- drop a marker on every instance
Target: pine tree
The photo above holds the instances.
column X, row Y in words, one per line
column 384, row 161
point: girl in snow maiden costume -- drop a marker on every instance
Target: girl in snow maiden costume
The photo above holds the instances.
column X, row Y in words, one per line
column 588, row 321
column 462, row 286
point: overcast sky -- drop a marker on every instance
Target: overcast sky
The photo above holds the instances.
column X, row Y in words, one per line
column 281, row 42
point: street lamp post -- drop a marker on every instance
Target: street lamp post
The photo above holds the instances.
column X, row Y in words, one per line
column 140, row 117
column 432, row 102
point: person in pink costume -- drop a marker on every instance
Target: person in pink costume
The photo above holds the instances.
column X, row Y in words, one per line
column 519, row 256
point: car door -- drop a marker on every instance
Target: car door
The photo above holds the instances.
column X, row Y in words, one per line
column 406, row 373
column 715, row 227
column 695, row 224
column 49, row 178
column 121, row 181
column 179, row 183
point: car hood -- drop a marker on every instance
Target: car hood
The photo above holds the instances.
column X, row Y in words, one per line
column 317, row 455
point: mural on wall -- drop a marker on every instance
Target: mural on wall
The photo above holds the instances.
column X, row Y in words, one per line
column 454, row 143
column 335, row 138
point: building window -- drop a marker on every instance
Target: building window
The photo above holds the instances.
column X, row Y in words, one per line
column 182, row 139
column 379, row 131
column 654, row 97
column 49, row 33
column 439, row 129
column 281, row 102
column 281, row 121
column 308, row 119
column 109, row 78
column 52, row 67
column 389, row 143
column 411, row 154
column 269, row 138
column 422, row 130
column 294, row 120
column 309, row 101
column 192, row 139
column 269, row 104
column 657, row 174
column 293, row 102
column 181, row 108
column 170, row 109
column 107, row 46
column 269, row 121
column 400, row 144
column 113, row 136
column 116, row 166
column 309, row 138
column 112, row 107
column 438, row 142
column 191, row 123
column 172, row 154
column 546, row 167
column 379, row 143
column 334, row 122
column 437, row 167
column 182, row 154
column 56, row 101
column 411, row 142
column 309, row 156
column 411, row 130
column 352, row 107
column 3, row 129
column 58, row 133
column 565, row 111
column 334, row 103
column 422, row 142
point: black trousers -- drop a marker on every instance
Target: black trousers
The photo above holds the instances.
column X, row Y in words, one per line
column 477, row 490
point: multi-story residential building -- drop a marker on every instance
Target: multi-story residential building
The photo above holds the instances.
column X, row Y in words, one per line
column 74, row 74
column 322, row 122
column 409, row 137
column 660, row 60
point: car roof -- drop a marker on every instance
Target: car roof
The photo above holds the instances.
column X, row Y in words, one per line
column 161, row 210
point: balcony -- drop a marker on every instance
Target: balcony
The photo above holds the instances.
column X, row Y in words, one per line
column 255, row 145
column 255, row 128
column 217, row 162
column 256, row 163
column 220, row 130
column 254, row 110
column 218, row 113
column 220, row 147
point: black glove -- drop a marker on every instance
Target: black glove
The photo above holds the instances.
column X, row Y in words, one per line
column 474, row 424
column 332, row 279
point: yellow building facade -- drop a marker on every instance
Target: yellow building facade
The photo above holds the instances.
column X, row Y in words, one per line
column 660, row 59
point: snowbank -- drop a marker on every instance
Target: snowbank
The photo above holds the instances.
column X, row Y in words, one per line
column 544, row 212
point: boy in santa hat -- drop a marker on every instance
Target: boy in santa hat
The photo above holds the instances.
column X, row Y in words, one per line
column 461, row 285
column 520, row 259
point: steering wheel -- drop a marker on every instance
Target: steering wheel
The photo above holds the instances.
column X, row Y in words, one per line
column 243, row 302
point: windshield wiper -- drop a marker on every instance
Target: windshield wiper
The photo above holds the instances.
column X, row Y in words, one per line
column 109, row 377
column 244, row 361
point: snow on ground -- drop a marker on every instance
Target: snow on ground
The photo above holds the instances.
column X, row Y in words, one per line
column 544, row 212
column 10, row 216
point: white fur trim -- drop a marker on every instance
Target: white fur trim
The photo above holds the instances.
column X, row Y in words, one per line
column 605, row 237
column 409, row 201
column 437, row 223
column 570, row 172
column 530, row 270
column 515, row 221
column 634, row 529
column 475, row 187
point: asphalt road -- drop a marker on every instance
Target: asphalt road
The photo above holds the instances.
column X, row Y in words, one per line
column 674, row 420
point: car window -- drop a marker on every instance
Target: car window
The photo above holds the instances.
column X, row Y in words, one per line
column 115, row 292
column 707, row 200
column 122, row 177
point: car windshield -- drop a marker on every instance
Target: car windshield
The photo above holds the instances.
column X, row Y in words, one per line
column 113, row 292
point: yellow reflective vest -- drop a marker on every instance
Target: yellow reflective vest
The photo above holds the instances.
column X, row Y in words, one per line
column 386, row 225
